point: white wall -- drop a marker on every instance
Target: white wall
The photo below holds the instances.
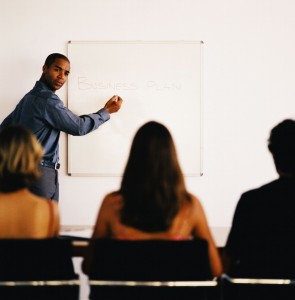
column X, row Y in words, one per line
column 249, row 71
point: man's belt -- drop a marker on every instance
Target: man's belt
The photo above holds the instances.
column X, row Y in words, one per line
column 50, row 164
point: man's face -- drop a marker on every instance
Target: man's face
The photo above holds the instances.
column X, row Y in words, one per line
column 56, row 74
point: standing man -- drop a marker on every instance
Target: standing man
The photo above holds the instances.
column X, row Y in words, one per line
column 45, row 115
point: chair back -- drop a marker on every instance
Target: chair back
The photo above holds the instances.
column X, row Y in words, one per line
column 37, row 269
column 257, row 288
column 149, row 261
column 265, row 257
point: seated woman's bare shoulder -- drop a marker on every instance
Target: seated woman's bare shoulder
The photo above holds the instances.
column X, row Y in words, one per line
column 112, row 200
column 195, row 202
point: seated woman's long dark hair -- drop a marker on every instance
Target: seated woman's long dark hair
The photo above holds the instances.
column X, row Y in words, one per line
column 153, row 186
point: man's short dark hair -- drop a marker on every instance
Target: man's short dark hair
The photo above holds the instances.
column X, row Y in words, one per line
column 52, row 57
column 281, row 144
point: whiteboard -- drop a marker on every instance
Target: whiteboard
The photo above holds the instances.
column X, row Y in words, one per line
column 158, row 80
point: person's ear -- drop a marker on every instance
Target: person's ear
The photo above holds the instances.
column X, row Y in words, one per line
column 44, row 68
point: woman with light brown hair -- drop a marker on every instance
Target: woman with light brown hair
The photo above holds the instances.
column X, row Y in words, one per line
column 23, row 214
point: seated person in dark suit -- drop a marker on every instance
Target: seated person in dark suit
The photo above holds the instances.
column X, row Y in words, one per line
column 261, row 242
column 153, row 202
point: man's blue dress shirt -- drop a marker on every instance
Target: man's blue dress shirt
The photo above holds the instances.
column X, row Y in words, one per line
column 45, row 115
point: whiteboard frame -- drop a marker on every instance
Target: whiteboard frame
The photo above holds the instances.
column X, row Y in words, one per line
column 81, row 174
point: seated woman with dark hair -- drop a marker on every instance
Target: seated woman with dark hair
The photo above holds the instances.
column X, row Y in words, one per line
column 153, row 202
column 22, row 214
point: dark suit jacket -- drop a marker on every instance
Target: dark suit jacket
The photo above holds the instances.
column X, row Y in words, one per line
column 261, row 242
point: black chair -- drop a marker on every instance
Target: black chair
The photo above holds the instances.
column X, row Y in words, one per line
column 151, row 269
column 257, row 288
column 265, row 257
column 37, row 269
column 263, row 269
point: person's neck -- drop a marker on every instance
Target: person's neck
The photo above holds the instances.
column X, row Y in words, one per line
column 286, row 174
column 44, row 81
column 23, row 190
